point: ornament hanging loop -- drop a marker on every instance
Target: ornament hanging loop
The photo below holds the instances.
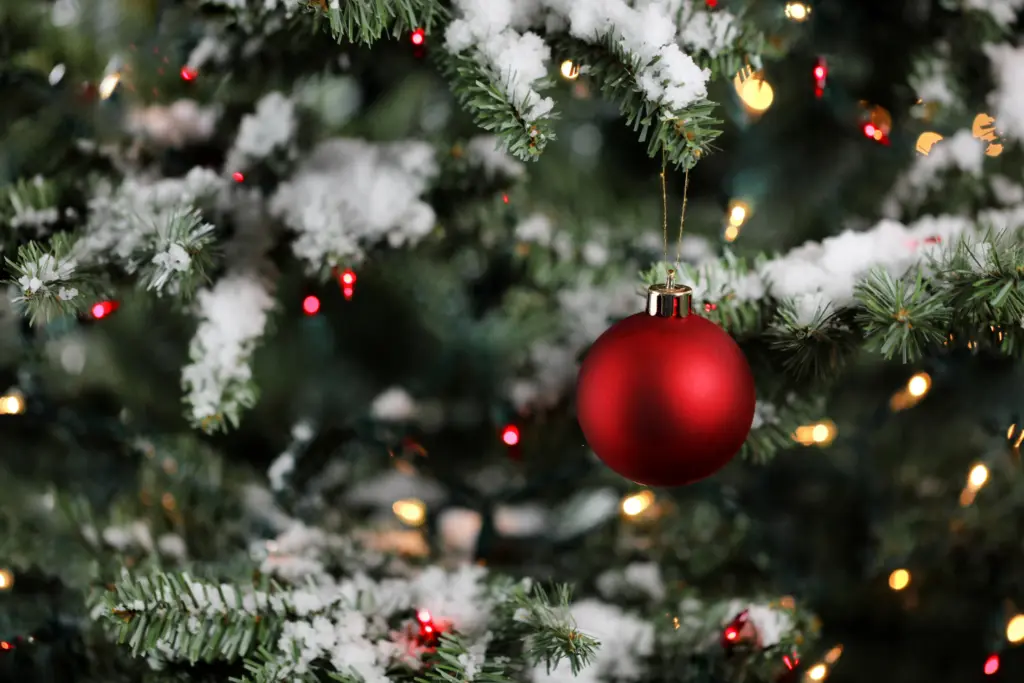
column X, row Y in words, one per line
column 669, row 300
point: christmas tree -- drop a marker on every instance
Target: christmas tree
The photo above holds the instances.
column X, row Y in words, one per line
column 299, row 290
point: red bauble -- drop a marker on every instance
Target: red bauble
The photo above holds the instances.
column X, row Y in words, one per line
column 665, row 397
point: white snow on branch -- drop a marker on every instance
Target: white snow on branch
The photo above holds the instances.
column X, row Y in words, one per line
column 1007, row 100
column 351, row 194
column 625, row 639
column 176, row 125
column 123, row 220
column 233, row 316
column 1002, row 11
column 499, row 33
column 960, row 151
column 270, row 128
column 485, row 151
column 699, row 29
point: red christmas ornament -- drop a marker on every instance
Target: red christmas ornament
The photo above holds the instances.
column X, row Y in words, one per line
column 665, row 397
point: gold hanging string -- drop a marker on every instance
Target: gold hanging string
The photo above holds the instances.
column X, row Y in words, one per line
column 682, row 217
column 664, row 204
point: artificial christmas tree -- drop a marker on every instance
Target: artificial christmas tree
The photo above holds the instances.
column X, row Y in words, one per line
column 367, row 244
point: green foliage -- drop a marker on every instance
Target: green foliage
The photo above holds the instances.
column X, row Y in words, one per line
column 366, row 21
column 51, row 281
column 683, row 136
column 199, row 622
column 474, row 87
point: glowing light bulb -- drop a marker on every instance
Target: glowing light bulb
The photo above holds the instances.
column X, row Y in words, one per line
column 410, row 511
column 919, row 384
column 818, row 672
column 12, row 403
column 311, row 305
column 977, row 477
column 899, row 579
column 102, row 309
column 108, row 85
column 569, row 71
column 510, row 435
column 188, row 73
column 797, row 11
column 348, row 277
column 991, row 665
column 820, row 434
column 6, row 579
column 418, row 37
column 739, row 212
column 1015, row 629
column 731, row 233
column 238, row 177
column 637, row 503
column 757, row 94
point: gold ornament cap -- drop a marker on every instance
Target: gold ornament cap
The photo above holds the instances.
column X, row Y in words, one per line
column 669, row 300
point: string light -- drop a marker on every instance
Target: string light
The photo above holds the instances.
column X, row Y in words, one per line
column 820, row 75
column 347, row 280
column 984, row 128
column 108, row 85
column 6, row 580
column 977, row 477
column 238, row 177
column 12, row 403
column 919, row 384
column 917, row 388
column 510, row 435
column 1015, row 629
column 188, row 73
column 101, row 310
column 818, row 672
column 756, row 94
column 637, row 503
column 411, row 511
column 311, row 305
column 418, row 37
column 569, row 70
column 899, row 579
column 991, row 665
column 819, row 434
column 797, row 11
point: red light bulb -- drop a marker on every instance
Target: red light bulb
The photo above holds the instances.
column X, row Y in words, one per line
column 188, row 73
column 732, row 633
column 869, row 130
column 711, row 4
column 819, row 72
column 103, row 309
column 238, row 177
column 510, row 435
column 991, row 665
column 423, row 616
column 311, row 305
column 348, row 277
column 419, row 37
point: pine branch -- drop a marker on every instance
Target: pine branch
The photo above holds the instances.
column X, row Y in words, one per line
column 367, row 21
column 522, row 136
column 52, row 281
column 196, row 621
column 684, row 136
